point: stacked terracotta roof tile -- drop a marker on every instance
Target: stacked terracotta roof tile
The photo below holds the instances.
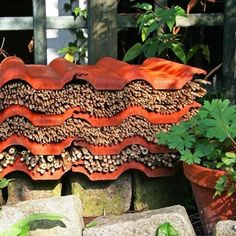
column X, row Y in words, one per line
column 99, row 120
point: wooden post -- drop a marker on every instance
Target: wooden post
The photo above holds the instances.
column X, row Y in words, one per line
column 229, row 49
column 39, row 23
column 102, row 29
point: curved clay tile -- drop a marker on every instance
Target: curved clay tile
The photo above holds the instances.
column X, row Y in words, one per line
column 19, row 166
column 108, row 73
column 57, row 148
column 55, row 120
column 37, row 119
column 132, row 165
column 36, row 148
column 116, row 149
column 152, row 117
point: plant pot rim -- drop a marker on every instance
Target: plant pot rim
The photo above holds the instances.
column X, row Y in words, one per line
column 201, row 175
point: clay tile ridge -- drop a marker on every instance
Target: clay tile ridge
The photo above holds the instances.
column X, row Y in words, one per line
column 34, row 147
column 108, row 73
column 20, row 166
column 54, row 120
column 57, row 148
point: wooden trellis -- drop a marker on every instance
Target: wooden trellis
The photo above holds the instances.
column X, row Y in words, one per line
column 103, row 24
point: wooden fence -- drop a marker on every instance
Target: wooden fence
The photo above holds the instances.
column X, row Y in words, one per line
column 103, row 25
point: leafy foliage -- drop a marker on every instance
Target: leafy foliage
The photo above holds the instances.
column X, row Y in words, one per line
column 75, row 51
column 158, row 35
column 166, row 229
column 208, row 139
column 4, row 182
column 22, row 228
column 91, row 224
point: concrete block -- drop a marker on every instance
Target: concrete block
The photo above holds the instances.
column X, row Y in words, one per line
column 68, row 206
column 225, row 228
column 102, row 197
column 155, row 193
column 143, row 223
column 23, row 188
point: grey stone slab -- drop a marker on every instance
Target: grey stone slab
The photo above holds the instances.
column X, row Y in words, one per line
column 225, row 228
column 142, row 224
column 68, row 206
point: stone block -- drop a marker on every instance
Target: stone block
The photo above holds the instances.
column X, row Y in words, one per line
column 68, row 206
column 102, row 197
column 143, row 223
column 225, row 228
column 155, row 193
column 23, row 188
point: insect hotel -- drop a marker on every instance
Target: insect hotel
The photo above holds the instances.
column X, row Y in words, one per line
column 100, row 120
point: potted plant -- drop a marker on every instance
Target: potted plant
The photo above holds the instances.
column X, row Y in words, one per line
column 207, row 147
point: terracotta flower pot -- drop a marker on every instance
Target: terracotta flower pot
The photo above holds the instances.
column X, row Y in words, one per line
column 211, row 209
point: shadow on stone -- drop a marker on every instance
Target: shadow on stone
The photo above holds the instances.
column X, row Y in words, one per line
column 46, row 224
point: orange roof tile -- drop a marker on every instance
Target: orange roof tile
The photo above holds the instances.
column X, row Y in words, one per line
column 55, row 120
column 108, row 73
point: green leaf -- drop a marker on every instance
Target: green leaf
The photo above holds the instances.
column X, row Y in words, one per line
column 145, row 20
column 4, row 182
column 179, row 11
column 69, row 57
column 77, row 11
column 177, row 138
column 166, row 229
column 152, row 27
column 192, row 51
column 190, row 158
column 220, row 185
column 219, row 119
column 228, row 161
column 25, row 230
column 143, row 6
column 133, row 52
column 63, row 50
column 204, row 147
column 178, row 51
column 92, row 223
column 230, row 154
column 170, row 23
column 231, row 189
column 144, row 33
column 151, row 49
column 13, row 231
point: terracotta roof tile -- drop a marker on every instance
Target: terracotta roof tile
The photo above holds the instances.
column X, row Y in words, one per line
column 19, row 166
column 108, row 73
column 55, row 120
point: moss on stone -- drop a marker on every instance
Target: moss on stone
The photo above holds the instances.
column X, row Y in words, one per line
column 154, row 193
column 102, row 197
column 23, row 188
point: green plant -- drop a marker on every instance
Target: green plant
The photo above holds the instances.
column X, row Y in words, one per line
column 160, row 36
column 4, row 182
column 22, row 227
column 91, row 224
column 208, row 139
column 166, row 229
column 75, row 51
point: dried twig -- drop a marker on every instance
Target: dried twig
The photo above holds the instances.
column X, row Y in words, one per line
column 2, row 51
